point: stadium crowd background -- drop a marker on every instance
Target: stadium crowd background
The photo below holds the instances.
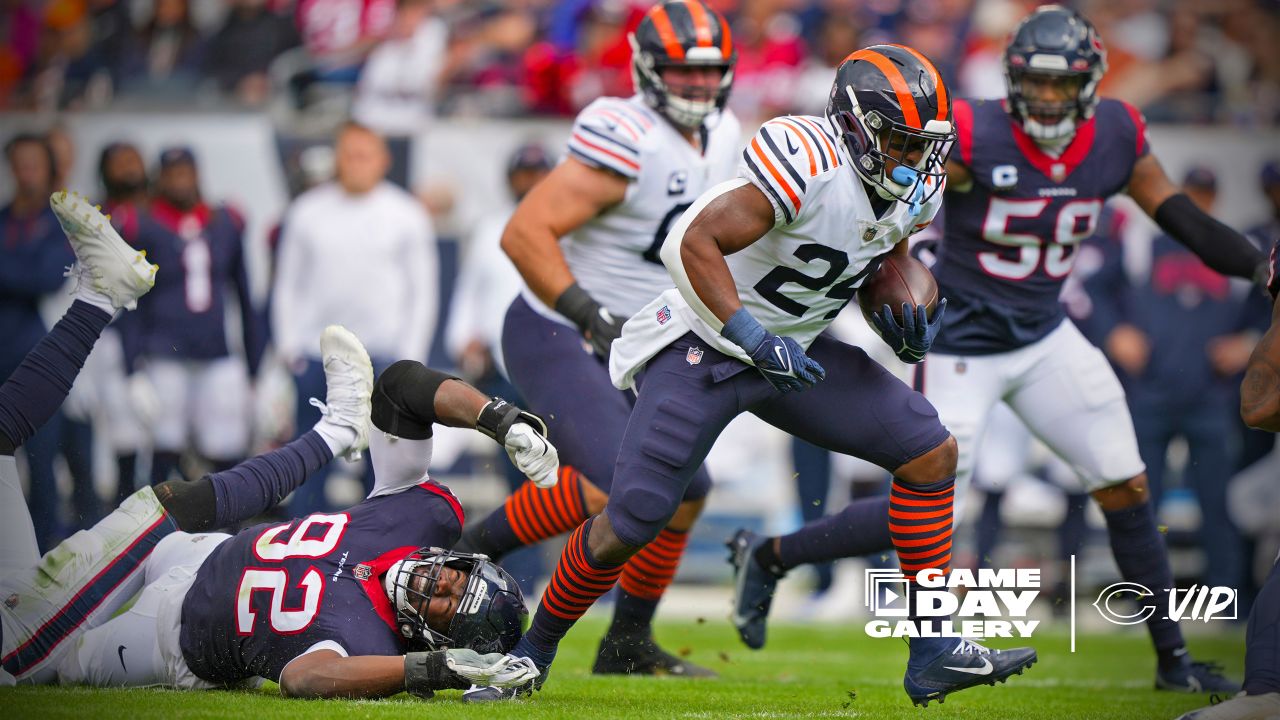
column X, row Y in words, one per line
column 257, row 90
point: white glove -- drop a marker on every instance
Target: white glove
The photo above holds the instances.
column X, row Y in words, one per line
column 533, row 455
column 143, row 399
column 493, row 669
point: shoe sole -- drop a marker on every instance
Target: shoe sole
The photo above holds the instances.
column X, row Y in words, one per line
column 65, row 204
column 1004, row 677
column 740, row 578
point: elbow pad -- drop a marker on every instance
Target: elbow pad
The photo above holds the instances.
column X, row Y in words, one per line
column 404, row 399
column 1220, row 247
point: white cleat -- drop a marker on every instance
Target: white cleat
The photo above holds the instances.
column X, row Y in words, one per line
column 105, row 263
column 348, row 375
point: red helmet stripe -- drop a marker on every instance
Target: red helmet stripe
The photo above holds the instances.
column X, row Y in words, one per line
column 701, row 24
column 910, row 114
column 937, row 80
column 666, row 32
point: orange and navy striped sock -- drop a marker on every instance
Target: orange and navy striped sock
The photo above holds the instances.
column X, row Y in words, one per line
column 531, row 515
column 578, row 581
column 645, row 578
column 920, row 524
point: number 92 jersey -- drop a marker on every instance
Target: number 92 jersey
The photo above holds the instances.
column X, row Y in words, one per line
column 795, row 279
column 614, row 256
column 1010, row 240
column 275, row 591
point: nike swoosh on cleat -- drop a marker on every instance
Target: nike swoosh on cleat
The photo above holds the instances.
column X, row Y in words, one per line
column 120, row 652
column 984, row 670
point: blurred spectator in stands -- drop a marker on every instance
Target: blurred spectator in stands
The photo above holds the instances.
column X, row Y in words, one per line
column 838, row 36
column 165, row 56
column 179, row 339
column 487, row 75
column 33, row 255
column 362, row 253
column 487, row 283
column 19, row 46
column 64, row 154
column 240, row 52
column 585, row 55
column 766, row 35
column 1180, row 334
column 70, row 73
column 338, row 34
column 396, row 93
column 127, row 401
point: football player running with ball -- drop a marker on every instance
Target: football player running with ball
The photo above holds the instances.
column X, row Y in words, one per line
column 1025, row 185
column 586, row 241
column 762, row 264
column 360, row 603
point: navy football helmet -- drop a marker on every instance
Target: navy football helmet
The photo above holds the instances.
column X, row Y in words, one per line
column 681, row 33
column 490, row 616
column 1054, row 44
column 889, row 103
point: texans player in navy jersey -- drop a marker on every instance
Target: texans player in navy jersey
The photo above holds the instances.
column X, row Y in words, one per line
column 1025, row 184
column 362, row 603
column 1260, row 408
column 179, row 338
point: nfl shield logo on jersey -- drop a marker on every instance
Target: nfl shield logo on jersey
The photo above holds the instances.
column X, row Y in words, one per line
column 664, row 315
column 362, row 572
column 693, row 355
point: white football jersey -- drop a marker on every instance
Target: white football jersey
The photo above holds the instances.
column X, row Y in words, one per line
column 794, row 280
column 614, row 256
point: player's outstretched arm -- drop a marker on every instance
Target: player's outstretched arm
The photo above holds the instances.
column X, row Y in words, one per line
column 572, row 194
column 1260, row 392
column 1220, row 247
column 329, row 674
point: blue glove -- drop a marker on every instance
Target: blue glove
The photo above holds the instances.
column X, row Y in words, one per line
column 780, row 359
column 911, row 340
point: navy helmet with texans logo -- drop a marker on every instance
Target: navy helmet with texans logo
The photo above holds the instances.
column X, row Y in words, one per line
column 889, row 102
column 682, row 33
column 490, row 615
column 1054, row 42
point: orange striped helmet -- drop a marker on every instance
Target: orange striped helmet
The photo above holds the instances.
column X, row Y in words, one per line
column 892, row 112
column 682, row 33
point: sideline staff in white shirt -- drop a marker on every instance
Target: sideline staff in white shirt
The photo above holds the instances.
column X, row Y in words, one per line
column 358, row 252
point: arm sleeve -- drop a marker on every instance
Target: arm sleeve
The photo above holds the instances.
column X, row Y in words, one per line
column 606, row 135
column 1220, row 247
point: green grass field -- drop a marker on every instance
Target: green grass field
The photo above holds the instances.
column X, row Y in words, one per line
column 815, row 671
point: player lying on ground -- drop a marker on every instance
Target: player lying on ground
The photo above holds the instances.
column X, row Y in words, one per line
column 347, row 604
column 1025, row 186
column 1260, row 408
column 761, row 266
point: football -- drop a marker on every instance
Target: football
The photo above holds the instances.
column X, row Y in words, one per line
column 899, row 279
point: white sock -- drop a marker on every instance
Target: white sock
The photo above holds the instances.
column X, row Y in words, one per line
column 87, row 293
column 338, row 437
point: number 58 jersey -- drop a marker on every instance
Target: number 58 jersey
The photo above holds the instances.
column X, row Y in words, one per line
column 1010, row 240
column 795, row 279
column 614, row 256
column 275, row 591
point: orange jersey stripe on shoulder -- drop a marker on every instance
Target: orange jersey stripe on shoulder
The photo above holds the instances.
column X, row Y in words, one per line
column 808, row 148
column 777, row 176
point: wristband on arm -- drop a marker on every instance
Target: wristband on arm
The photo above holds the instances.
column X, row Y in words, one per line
column 743, row 330
column 426, row 672
column 498, row 416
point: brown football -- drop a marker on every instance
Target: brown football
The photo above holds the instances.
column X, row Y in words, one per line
column 900, row 279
